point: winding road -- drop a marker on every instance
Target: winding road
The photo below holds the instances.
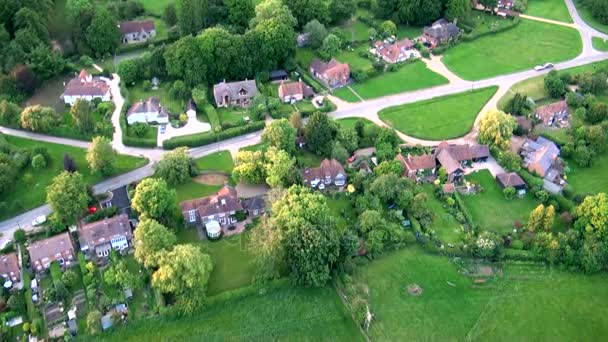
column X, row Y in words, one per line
column 365, row 109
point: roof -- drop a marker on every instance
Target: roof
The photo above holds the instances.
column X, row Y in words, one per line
column 85, row 84
column 295, row 88
column 328, row 168
column 151, row 105
column 278, row 74
column 540, row 155
column 447, row 161
column 464, row 152
column 235, row 90
column 9, row 266
column 442, row 30
column 392, row 52
column 225, row 200
column 254, row 203
column 136, row 26
column 58, row 245
column 423, row 162
column 511, row 179
column 331, row 69
column 101, row 232
column 546, row 113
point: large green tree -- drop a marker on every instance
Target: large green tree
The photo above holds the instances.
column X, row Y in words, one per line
column 269, row 9
column 496, row 128
column 182, row 269
column 151, row 239
column 316, row 33
column 103, row 35
column 154, row 198
column 342, row 10
column 320, row 133
column 68, row 196
column 38, row 119
column 249, row 167
column 101, row 156
column 280, row 168
column 281, row 134
column 175, row 167
column 239, row 12
column 307, row 10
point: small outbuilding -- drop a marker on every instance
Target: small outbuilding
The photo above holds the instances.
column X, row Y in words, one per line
column 511, row 180
column 278, row 75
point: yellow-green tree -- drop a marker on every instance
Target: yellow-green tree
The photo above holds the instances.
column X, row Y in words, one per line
column 537, row 218
column 496, row 128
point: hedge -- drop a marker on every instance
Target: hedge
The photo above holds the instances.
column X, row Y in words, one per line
column 206, row 138
column 530, row 179
column 214, row 119
column 564, row 203
column 464, row 210
column 520, row 255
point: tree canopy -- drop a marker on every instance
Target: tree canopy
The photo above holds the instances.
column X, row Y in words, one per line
column 68, row 196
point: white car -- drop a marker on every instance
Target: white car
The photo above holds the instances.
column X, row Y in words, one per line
column 543, row 67
column 39, row 220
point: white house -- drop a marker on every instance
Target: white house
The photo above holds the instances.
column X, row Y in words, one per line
column 137, row 31
column 86, row 87
column 149, row 111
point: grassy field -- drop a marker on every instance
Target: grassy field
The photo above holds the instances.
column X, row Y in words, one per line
column 409, row 77
column 156, row 6
column 549, row 9
column 355, row 30
column 219, row 161
column 491, row 210
column 506, row 308
column 600, row 44
column 191, row 190
column 283, row 314
column 589, row 179
column 445, row 225
column 438, row 118
column 137, row 93
column 355, row 61
column 29, row 195
column 587, row 16
column 350, row 122
column 528, row 44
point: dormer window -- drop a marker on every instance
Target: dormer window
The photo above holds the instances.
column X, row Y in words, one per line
column 242, row 92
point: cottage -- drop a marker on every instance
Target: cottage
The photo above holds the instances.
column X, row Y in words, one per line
column 440, row 32
column 97, row 239
column 137, row 31
column 556, row 113
column 294, row 91
column 214, row 211
column 237, row 94
column 86, row 87
column 56, row 248
column 418, row 167
column 254, row 206
column 10, row 270
column 330, row 172
column 333, row 73
column 397, row 52
column 511, row 180
column 148, row 111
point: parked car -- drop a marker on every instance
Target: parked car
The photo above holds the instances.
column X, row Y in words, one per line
column 163, row 129
column 543, row 67
column 39, row 220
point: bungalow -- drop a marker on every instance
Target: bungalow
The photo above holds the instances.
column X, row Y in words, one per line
column 56, row 248
column 333, row 73
column 213, row 211
column 137, row 31
column 149, row 111
column 86, row 87
column 440, row 32
column 10, row 270
column 254, row 206
column 397, row 52
column 418, row 167
column 511, row 180
column 328, row 173
column 237, row 94
column 97, row 239
column 556, row 113
column 294, row 91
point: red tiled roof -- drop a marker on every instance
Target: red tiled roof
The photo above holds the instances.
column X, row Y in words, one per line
column 294, row 88
column 328, row 167
column 546, row 113
column 413, row 163
column 331, row 69
column 85, row 84
column 511, row 179
column 127, row 27
column 9, row 267
column 225, row 200
column 58, row 246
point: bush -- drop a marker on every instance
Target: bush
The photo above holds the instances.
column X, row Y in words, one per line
column 214, row 119
column 38, row 162
column 201, row 139
column 517, row 244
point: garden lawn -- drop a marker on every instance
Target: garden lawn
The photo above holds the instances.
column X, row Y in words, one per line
column 156, row 6
column 408, row 77
column 528, row 44
column 346, row 94
column 29, row 195
column 491, row 211
column 232, row 115
column 191, row 190
column 589, row 179
column 351, row 122
column 219, row 161
column 342, row 210
column 137, row 93
column 306, row 158
column 506, row 308
column 285, row 313
column 355, row 61
column 444, row 224
column 439, row 118
column 549, row 9
column 262, row 147
column 600, row 44
column 587, row 16
column 355, row 30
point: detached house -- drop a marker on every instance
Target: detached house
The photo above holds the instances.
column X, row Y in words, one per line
column 97, row 239
column 333, row 73
column 418, row 167
column 330, row 172
column 213, row 212
column 148, row 111
column 86, row 87
column 237, row 94
column 137, row 31
column 554, row 114
column 294, row 91
column 440, row 32
column 542, row 157
column 397, row 52
column 10, row 270
column 56, row 248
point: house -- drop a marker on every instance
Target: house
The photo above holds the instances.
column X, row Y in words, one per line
column 506, row 4
column 328, row 173
column 294, row 91
column 238, row 94
column 137, row 31
column 254, row 206
column 454, row 158
column 86, row 87
column 191, row 109
column 396, row 52
column 333, row 73
column 214, row 211
column 542, row 157
column 418, row 167
column 148, row 111
column 10, row 270
column 556, row 113
column 56, row 248
column 278, row 75
column 511, row 180
column 117, row 198
column 440, row 32
column 97, row 239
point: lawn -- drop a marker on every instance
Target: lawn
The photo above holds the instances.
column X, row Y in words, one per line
column 262, row 147
column 587, row 16
column 29, row 195
column 191, row 190
column 549, row 9
column 342, row 210
column 137, row 93
column 444, row 224
column 219, row 161
column 355, row 61
column 589, row 179
column 156, row 6
column 491, row 211
column 439, row 118
column 600, row 44
column 506, row 308
column 528, row 44
column 232, row 115
column 355, row 31
column 408, row 77
column 306, row 158
column 351, row 122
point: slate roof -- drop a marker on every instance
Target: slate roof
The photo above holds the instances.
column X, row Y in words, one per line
column 233, row 90
column 511, row 179
column 225, row 200
column 151, row 105
column 278, row 74
column 442, row 30
column 136, row 26
column 254, row 203
column 101, row 232
column 540, row 155
column 86, row 85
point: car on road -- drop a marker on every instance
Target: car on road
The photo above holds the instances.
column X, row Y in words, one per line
column 39, row 220
column 543, row 67
column 163, row 129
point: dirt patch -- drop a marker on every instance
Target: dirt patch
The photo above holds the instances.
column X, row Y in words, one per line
column 211, row 179
column 415, row 290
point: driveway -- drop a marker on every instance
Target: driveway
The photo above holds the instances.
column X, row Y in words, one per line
column 192, row 127
column 490, row 165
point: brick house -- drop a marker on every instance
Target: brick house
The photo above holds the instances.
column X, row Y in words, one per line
column 215, row 211
column 333, row 73
column 10, row 270
column 294, row 91
column 97, row 239
column 56, row 248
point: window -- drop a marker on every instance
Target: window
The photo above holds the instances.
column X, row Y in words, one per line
column 192, row 216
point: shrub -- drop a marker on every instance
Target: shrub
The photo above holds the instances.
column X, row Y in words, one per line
column 214, row 119
column 201, row 139
column 509, row 192
column 517, row 244
column 38, row 162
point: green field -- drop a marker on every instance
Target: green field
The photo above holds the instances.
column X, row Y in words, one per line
column 439, row 118
column 219, row 161
column 549, row 9
column 409, row 77
column 587, row 16
column 528, row 44
column 600, row 44
column 510, row 307
column 491, row 211
column 589, row 179
column 355, row 30
column 191, row 190
column 282, row 314
column 33, row 194
column 444, row 224
column 355, row 61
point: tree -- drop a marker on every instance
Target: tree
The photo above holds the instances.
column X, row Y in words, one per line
column 20, row 236
column 316, row 33
column 549, row 218
column 348, row 138
column 280, row 168
column 183, row 268
column 153, row 198
column 175, row 167
column 509, row 192
column 341, row 10
column 330, row 47
column 338, row 152
column 320, row 132
column 192, row 16
column 496, row 128
column 117, row 274
column 68, row 196
column 179, row 91
column 68, row 163
column 457, row 9
column 249, row 167
column 307, row 10
column 81, row 112
column 272, row 43
column 70, row 279
column 536, row 219
column 582, row 156
column 38, row 119
column 554, row 85
column 388, row 28
column 389, row 167
column 185, row 61
column 94, row 322
column 9, row 112
column 101, row 156
column 16, row 302
column 592, row 216
column 239, row 12
column 170, row 15
column 103, row 35
column 273, row 9
column 281, row 134
column 597, row 113
column 38, row 162
column 488, row 4
column 150, row 240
